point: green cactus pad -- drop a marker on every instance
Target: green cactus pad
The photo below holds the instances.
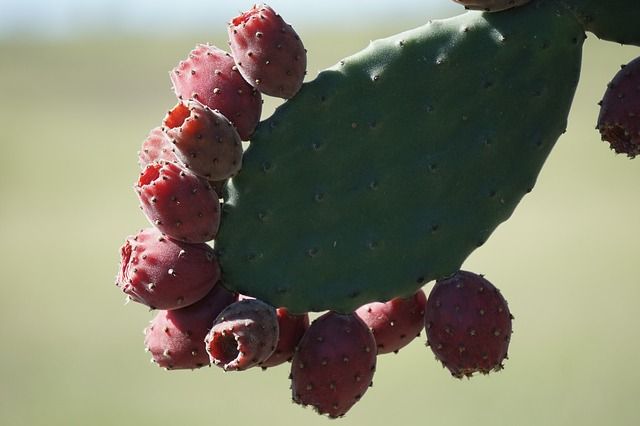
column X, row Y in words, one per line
column 391, row 167
column 613, row 20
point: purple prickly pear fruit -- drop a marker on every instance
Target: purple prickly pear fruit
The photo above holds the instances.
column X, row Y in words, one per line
column 268, row 52
column 619, row 120
column 210, row 76
column 334, row 363
column 204, row 140
column 179, row 203
column 243, row 335
column 163, row 273
column 468, row 324
column 491, row 5
column 175, row 338
column 156, row 147
column 292, row 327
column 395, row 323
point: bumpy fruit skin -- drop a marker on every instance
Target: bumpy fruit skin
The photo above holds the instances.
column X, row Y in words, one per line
column 243, row 335
column 156, row 147
column 163, row 273
column 334, row 364
column 175, row 338
column 468, row 324
column 619, row 120
column 491, row 5
column 292, row 327
column 179, row 203
column 204, row 140
column 268, row 52
column 395, row 323
column 210, row 76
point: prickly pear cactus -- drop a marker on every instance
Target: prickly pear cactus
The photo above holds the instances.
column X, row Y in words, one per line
column 380, row 175
column 390, row 168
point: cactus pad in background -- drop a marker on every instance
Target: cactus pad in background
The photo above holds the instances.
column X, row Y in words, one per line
column 390, row 168
column 613, row 20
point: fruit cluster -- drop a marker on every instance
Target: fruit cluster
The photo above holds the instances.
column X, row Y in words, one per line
column 186, row 163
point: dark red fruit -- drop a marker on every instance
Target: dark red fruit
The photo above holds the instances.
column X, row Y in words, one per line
column 163, row 273
column 334, row 364
column 156, row 147
column 268, row 52
column 204, row 140
column 210, row 76
column 292, row 327
column 468, row 324
column 179, row 203
column 619, row 120
column 175, row 338
column 396, row 323
column 244, row 335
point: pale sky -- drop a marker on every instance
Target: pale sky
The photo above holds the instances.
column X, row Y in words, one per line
column 64, row 18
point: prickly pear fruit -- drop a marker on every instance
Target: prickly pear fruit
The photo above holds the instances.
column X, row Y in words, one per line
column 292, row 327
column 204, row 140
column 156, row 147
column 175, row 338
column 178, row 203
column 211, row 77
column 163, row 273
column 334, row 363
column 243, row 335
column 619, row 120
column 268, row 52
column 468, row 324
column 395, row 323
column 491, row 5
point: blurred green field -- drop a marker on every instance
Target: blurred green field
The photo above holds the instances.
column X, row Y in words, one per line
column 73, row 116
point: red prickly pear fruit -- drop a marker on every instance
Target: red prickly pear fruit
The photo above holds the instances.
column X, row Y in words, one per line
column 268, row 52
column 179, row 203
column 619, row 119
column 243, row 335
column 175, row 338
column 395, row 323
column 204, row 140
column 210, row 76
column 163, row 273
column 491, row 5
column 468, row 324
column 156, row 147
column 292, row 327
column 334, row 363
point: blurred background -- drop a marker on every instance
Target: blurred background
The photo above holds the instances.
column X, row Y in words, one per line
column 82, row 83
